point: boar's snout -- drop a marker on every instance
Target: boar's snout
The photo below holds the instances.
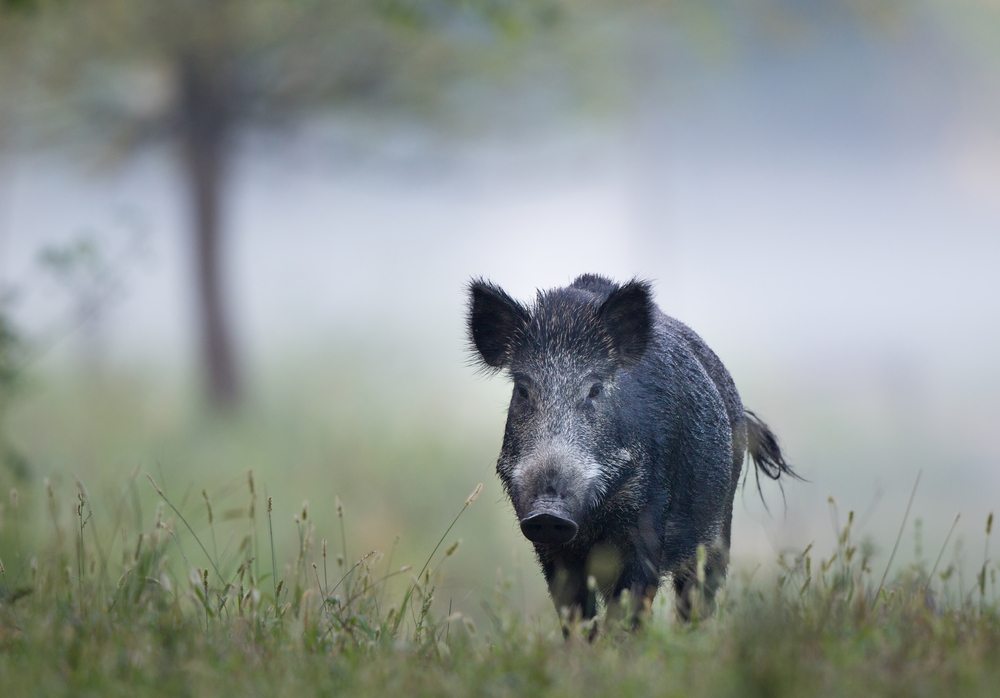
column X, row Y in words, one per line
column 548, row 527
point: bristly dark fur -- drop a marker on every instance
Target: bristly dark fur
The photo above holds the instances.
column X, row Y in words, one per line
column 627, row 316
column 494, row 321
column 595, row 284
column 625, row 430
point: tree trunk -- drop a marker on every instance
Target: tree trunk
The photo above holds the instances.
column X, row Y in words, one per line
column 204, row 129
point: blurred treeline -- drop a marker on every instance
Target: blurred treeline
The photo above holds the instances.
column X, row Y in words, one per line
column 113, row 75
column 103, row 78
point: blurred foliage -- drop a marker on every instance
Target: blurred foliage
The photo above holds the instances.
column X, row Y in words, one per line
column 81, row 268
column 116, row 68
column 109, row 76
column 13, row 465
column 972, row 25
column 115, row 74
column 92, row 275
column 8, row 344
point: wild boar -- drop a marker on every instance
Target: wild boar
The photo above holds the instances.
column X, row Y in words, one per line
column 624, row 442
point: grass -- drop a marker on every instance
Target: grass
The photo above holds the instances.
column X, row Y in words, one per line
column 145, row 605
column 211, row 576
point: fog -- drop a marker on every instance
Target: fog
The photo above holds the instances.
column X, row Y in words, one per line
column 825, row 215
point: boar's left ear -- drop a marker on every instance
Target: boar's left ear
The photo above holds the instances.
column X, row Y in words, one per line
column 626, row 318
column 495, row 321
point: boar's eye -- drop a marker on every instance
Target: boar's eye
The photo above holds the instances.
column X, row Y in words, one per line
column 522, row 392
column 595, row 390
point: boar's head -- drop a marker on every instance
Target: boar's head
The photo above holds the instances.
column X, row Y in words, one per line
column 566, row 445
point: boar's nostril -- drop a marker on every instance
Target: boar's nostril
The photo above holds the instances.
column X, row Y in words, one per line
column 548, row 528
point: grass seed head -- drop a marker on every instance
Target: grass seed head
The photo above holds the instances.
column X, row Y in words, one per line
column 702, row 558
column 151, row 481
column 14, row 498
column 80, row 487
column 340, row 507
column 989, row 522
column 452, row 548
column 305, row 508
column 475, row 494
column 208, row 504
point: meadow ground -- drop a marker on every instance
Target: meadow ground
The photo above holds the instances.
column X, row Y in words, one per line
column 96, row 615
column 157, row 550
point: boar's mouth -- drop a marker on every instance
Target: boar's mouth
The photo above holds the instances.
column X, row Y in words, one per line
column 548, row 527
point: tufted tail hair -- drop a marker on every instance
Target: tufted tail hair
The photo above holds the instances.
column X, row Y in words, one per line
column 762, row 446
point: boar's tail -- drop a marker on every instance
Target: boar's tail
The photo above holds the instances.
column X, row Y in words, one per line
column 763, row 448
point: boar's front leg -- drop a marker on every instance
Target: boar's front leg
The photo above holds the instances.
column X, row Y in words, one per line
column 566, row 577
column 640, row 578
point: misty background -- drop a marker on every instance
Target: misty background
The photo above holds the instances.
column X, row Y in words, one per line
column 814, row 189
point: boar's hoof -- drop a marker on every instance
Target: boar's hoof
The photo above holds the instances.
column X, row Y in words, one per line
column 548, row 528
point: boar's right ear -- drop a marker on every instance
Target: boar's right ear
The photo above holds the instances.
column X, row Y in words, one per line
column 626, row 318
column 495, row 319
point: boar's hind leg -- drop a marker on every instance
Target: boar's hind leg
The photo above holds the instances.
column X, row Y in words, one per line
column 694, row 597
